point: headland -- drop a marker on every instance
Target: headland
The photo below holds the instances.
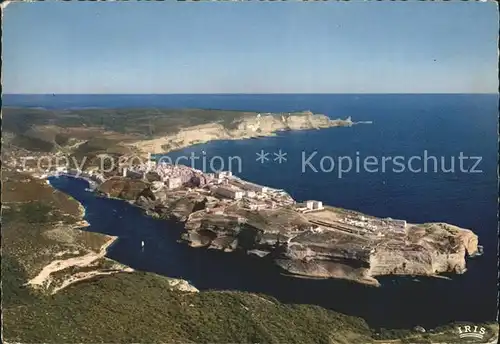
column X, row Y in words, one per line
column 308, row 239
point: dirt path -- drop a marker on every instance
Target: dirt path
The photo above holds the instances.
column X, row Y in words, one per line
column 80, row 276
column 43, row 278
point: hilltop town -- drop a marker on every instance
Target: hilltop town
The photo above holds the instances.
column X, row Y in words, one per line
column 222, row 211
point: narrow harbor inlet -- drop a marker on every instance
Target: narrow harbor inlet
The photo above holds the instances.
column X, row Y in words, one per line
column 149, row 244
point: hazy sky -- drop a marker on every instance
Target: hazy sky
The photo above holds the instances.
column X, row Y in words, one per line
column 252, row 47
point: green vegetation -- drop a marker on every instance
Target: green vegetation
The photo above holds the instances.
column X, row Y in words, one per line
column 37, row 223
column 33, row 143
column 145, row 122
column 13, row 278
column 442, row 334
column 139, row 307
column 131, row 307
column 100, row 145
column 86, row 154
column 33, row 212
column 102, row 130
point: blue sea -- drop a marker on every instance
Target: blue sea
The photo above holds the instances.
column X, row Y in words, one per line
column 444, row 127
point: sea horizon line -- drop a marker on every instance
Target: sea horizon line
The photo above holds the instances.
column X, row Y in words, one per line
column 247, row 94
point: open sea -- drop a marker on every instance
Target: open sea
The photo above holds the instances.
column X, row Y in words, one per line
column 432, row 128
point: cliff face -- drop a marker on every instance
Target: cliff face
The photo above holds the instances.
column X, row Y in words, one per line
column 290, row 239
column 249, row 126
column 334, row 255
column 426, row 262
column 468, row 240
column 266, row 124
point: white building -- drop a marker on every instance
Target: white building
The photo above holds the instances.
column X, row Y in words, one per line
column 300, row 207
column 151, row 165
column 314, row 205
column 250, row 193
column 223, row 174
column 217, row 211
column 229, row 192
column 317, row 205
column 173, row 183
column 257, row 206
column 397, row 224
column 254, row 187
column 158, row 185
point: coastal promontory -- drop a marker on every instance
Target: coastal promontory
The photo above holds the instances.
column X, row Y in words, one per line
column 305, row 239
column 82, row 132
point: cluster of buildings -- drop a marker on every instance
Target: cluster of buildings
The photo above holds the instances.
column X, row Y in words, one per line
column 93, row 177
column 308, row 206
column 172, row 176
column 375, row 224
column 43, row 165
column 247, row 186
column 222, row 185
column 229, row 186
column 228, row 191
column 35, row 162
column 223, row 190
column 252, row 196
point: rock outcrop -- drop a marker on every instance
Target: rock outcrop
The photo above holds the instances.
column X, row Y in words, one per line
column 332, row 254
column 293, row 241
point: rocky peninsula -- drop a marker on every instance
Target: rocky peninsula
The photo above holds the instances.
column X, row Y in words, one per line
column 224, row 212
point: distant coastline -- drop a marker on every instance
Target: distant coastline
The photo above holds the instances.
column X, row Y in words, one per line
column 249, row 125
